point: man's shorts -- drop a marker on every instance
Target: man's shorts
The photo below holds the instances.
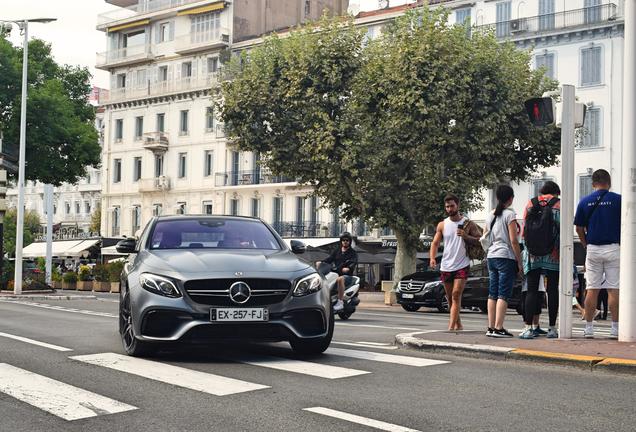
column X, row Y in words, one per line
column 602, row 263
column 457, row 274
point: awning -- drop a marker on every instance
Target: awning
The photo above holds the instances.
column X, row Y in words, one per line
column 59, row 248
column 202, row 9
column 129, row 25
column 80, row 250
column 314, row 241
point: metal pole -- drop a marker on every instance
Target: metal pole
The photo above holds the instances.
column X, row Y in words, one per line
column 19, row 225
column 48, row 203
column 566, row 264
column 627, row 300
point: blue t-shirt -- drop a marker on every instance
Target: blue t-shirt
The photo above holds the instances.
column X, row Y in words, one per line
column 604, row 227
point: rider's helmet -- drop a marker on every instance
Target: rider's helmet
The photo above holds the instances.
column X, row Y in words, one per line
column 346, row 235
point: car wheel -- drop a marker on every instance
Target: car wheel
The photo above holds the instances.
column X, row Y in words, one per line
column 483, row 309
column 410, row 307
column 344, row 315
column 443, row 306
column 132, row 345
column 313, row 345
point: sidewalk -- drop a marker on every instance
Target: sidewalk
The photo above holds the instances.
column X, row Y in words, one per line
column 600, row 353
column 46, row 295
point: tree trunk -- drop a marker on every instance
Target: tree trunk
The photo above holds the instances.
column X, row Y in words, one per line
column 405, row 257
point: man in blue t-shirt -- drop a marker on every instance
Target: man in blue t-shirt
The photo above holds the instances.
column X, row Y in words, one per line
column 598, row 224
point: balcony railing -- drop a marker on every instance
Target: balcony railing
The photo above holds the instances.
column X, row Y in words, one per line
column 300, row 229
column 523, row 27
column 160, row 88
column 249, row 177
column 202, row 40
column 156, row 141
column 155, row 184
column 124, row 56
column 144, row 6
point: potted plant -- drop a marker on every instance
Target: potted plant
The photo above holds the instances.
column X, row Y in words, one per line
column 56, row 278
column 114, row 271
column 102, row 283
column 69, row 280
column 85, row 283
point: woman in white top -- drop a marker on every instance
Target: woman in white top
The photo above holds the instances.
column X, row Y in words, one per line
column 504, row 260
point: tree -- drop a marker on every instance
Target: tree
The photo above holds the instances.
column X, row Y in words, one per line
column 96, row 220
column 385, row 129
column 31, row 229
column 61, row 138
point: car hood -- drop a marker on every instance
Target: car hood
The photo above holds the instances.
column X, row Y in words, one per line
column 428, row 276
column 222, row 261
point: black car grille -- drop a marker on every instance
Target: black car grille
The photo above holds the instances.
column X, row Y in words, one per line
column 215, row 292
column 411, row 286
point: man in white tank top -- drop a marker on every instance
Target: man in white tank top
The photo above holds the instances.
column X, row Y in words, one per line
column 455, row 262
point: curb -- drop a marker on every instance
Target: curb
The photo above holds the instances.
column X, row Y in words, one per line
column 47, row 297
column 592, row 363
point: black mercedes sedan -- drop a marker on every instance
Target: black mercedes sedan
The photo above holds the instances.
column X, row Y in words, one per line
column 203, row 279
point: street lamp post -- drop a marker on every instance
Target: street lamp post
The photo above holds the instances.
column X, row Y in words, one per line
column 19, row 225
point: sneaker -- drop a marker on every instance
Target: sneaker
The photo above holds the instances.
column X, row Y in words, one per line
column 501, row 333
column 490, row 331
column 527, row 334
column 338, row 306
column 588, row 333
column 552, row 334
column 614, row 333
column 539, row 332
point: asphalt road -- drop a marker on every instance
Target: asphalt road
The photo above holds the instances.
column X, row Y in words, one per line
column 53, row 352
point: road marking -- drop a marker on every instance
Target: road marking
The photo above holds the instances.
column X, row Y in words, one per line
column 303, row 367
column 175, row 375
column 35, row 342
column 55, row 397
column 385, row 358
column 377, row 424
column 365, row 345
column 375, row 326
column 63, row 309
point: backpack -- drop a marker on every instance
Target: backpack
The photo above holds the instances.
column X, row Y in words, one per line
column 474, row 250
column 539, row 231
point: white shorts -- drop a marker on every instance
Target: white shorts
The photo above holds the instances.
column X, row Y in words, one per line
column 602, row 266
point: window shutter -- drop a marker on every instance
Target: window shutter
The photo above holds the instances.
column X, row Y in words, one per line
column 171, row 31
column 157, row 30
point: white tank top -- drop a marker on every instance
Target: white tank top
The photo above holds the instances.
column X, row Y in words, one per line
column 454, row 257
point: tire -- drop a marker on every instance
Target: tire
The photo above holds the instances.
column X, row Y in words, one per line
column 443, row 305
column 484, row 309
column 314, row 346
column 133, row 346
column 410, row 307
column 344, row 315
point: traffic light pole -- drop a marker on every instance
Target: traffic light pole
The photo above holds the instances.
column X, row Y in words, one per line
column 627, row 297
column 566, row 263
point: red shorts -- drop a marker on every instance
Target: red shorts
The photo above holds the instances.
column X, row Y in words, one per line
column 457, row 274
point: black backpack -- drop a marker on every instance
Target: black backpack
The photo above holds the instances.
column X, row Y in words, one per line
column 539, row 230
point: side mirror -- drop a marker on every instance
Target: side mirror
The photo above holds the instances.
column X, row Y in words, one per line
column 298, row 247
column 126, row 246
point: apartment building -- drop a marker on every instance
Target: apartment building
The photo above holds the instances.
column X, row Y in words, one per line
column 164, row 149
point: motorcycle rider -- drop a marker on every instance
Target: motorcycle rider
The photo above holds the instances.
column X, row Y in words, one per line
column 344, row 258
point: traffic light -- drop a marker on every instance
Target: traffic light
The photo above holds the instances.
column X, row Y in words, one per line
column 540, row 111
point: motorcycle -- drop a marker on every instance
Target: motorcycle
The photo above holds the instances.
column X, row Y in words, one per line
column 350, row 299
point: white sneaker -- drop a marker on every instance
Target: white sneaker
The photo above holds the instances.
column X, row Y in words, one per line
column 588, row 333
column 338, row 306
column 614, row 333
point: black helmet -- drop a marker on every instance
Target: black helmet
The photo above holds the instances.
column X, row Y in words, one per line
column 346, row 235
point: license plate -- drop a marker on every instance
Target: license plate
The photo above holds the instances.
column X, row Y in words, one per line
column 408, row 295
column 239, row 314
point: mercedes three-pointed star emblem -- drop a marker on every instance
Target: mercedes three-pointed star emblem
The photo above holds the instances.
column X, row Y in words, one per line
column 240, row 292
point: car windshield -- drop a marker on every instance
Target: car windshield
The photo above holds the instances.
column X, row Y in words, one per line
column 212, row 233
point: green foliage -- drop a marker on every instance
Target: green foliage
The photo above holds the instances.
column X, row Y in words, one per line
column 100, row 271
column 385, row 129
column 61, row 139
column 40, row 262
column 70, row 277
column 114, row 270
column 96, row 220
column 84, row 273
column 55, row 274
column 31, row 229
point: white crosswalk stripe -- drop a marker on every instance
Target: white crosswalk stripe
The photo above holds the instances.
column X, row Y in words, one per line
column 376, row 424
column 303, row 367
column 385, row 358
column 60, row 399
column 175, row 375
column 34, row 342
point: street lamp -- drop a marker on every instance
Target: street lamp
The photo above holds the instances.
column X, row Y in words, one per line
column 19, row 225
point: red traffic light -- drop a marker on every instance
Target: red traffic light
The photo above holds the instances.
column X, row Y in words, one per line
column 540, row 111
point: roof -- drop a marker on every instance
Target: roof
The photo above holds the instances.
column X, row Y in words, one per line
column 390, row 10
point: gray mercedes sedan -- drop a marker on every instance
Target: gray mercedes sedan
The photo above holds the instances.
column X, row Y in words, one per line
column 203, row 279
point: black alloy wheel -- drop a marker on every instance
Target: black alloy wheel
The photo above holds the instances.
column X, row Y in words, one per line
column 132, row 345
column 410, row 307
column 314, row 346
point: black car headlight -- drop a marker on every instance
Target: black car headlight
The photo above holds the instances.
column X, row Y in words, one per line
column 307, row 285
column 159, row 285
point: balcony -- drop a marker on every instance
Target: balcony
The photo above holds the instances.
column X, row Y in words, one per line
column 162, row 88
column 301, row 229
column 531, row 26
column 200, row 41
column 249, row 177
column 156, row 141
column 135, row 10
column 124, row 56
column 155, row 184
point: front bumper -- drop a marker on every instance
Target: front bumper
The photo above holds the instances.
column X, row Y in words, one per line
column 426, row 298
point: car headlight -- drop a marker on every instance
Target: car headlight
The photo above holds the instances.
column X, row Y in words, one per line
column 307, row 285
column 428, row 287
column 158, row 285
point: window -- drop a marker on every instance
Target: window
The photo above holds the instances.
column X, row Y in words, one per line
column 87, row 207
column 205, row 27
column 234, row 207
column 161, row 122
column 546, row 60
column 300, row 210
column 181, row 208
column 54, row 209
column 163, row 73
column 462, row 16
column 537, row 184
column 121, row 80
column 116, row 170
column 209, row 119
column 256, row 207
column 207, row 169
column 119, row 130
column 158, row 165
column 136, row 219
column 186, row 69
column 164, row 32
column 139, row 127
column 546, row 14
column 277, row 215
column 77, row 207
column 504, row 13
column 591, row 66
column 157, row 209
column 585, row 185
column 182, row 164
column 592, row 137
column 213, row 65
column 137, row 169
column 183, row 122
column 207, row 207
column 307, row 8
column 67, row 207
column 140, row 78
column 593, row 10
column 116, row 221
